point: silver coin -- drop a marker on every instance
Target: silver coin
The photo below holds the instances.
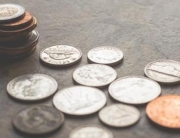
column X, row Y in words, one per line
column 32, row 87
column 61, row 55
column 164, row 71
column 119, row 115
column 91, row 131
column 105, row 55
column 79, row 100
column 38, row 120
column 95, row 75
column 10, row 12
column 134, row 90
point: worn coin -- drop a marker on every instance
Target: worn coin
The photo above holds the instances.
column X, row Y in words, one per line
column 38, row 120
column 105, row 55
column 61, row 55
column 134, row 90
column 165, row 111
column 164, row 71
column 79, row 100
column 95, row 75
column 9, row 12
column 91, row 131
column 119, row 115
column 32, row 87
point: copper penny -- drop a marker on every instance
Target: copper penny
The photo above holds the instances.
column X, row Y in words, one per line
column 165, row 111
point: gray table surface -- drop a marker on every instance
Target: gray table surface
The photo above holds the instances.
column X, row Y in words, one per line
column 145, row 30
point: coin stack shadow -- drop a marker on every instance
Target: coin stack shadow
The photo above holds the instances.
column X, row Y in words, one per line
column 18, row 39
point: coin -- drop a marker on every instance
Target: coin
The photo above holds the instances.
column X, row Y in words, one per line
column 95, row 75
column 91, row 131
column 164, row 71
column 9, row 12
column 119, row 115
column 105, row 55
column 165, row 111
column 38, row 120
column 60, row 55
column 79, row 100
column 32, row 87
column 134, row 90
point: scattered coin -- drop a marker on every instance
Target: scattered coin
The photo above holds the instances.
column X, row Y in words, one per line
column 91, row 131
column 79, row 100
column 164, row 71
column 134, row 90
column 105, row 55
column 32, row 87
column 38, row 120
column 95, row 75
column 119, row 115
column 9, row 12
column 165, row 111
column 61, row 55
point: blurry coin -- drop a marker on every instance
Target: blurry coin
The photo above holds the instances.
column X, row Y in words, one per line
column 38, row 120
column 9, row 12
column 165, row 111
column 25, row 21
column 119, row 115
column 105, row 55
column 94, row 75
column 60, row 55
column 164, row 71
column 134, row 90
column 32, row 87
column 91, row 131
column 79, row 100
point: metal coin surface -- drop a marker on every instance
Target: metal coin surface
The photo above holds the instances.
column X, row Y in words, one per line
column 79, row 100
column 10, row 12
column 134, row 90
column 38, row 120
column 32, row 87
column 91, row 131
column 165, row 111
column 61, row 55
column 119, row 115
column 95, row 75
column 164, row 71
column 105, row 55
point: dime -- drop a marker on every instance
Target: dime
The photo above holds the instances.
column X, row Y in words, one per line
column 165, row 111
column 61, row 55
column 119, row 115
column 105, row 55
column 91, row 131
column 94, row 75
column 38, row 120
column 32, row 87
column 79, row 100
column 164, row 71
column 134, row 90
column 9, row 12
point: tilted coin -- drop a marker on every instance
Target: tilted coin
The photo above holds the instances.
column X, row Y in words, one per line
column 134, row 90
column 91, row 131
column 38, row 120
column 119, row 115
column 61, row 55
column 105, row 55
column 9, row 12
column 165, row 111
column 79, row 100
column 164, row 71
column 95, row 75
column 32, row 87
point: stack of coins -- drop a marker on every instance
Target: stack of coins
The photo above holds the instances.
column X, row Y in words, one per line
column 17, row 35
